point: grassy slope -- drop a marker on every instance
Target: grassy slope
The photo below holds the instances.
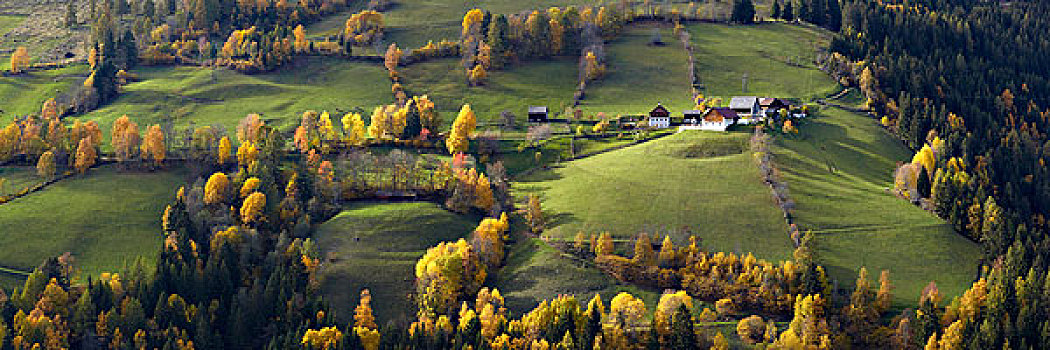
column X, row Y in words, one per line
column 205, row 96
column 17, row 178
column 535, row 272
column 392, row 237
column 535, row 83
column 725, row 53
column 652, row 188
column 856, row 222
column 24, row 94
column 83, row 216
column 638, row 75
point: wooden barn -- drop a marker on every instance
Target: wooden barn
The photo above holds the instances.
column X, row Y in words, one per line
column 537, row 114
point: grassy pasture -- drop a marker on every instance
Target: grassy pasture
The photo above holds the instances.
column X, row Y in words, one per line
column 186, row 95
column 547, row 83
column 16, row 178
column 838, row 170
column 84, row 216
column 24, row 94
column 640, row 75
column 376, row 245
column 666, row 186
column 724, row 54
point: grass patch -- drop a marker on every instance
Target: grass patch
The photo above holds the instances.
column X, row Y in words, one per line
column 376, row 245
column 82, row 215
column 546, row 83
column 535, row 272
column 838, row 171
column 16, row 178
column 639, row 75
column 724, row 54
column 645, row 189
column 201, row 96
column 25, row 94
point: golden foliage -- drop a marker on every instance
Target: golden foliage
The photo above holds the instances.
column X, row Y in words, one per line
column 253, row 207
column 216, row 189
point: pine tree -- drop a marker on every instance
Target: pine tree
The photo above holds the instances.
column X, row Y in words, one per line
column 923, row 183
column 682, row 334
column 788, row 14
column 834, row 15
column 743, row 12
column 817, row 14
column 776, row 9
column 497, row 40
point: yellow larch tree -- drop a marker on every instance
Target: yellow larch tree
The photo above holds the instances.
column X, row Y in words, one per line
column 216, row 189
column 253, row 207
column 462, row 128
column 363, row 312
column 86, row 155
column 353, row 128
column 153, row 147
column 20, row 60
column 225, row 151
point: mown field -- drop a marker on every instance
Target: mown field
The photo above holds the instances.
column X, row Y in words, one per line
column 838, row 171
column 640, row 75
column 543, row 83
column 699, row 183
column 106, row 219
column 776, row 57
column 185, row 95
column 24, row 94
column 376, row 245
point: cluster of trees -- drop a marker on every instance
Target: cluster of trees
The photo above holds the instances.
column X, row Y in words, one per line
column 50, row 143
column 492, row 41
column 824, row 13
column 364, row 28
column 411, row 121
column 250, row 50
column 451, row 272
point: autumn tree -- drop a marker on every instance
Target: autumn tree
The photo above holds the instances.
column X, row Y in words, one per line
column 643, row 251
column 534, row 214
column 253, row 207
column 353, row 129
column 153, row 147
column 125, row 138
column 224, row 152
column 45, row 166
column 363, row 312
column 751, row 329
column 86, row 155
column 20, row 60
column 216, row 189
column 462, row 128
column 392, row 58
column 604, row 245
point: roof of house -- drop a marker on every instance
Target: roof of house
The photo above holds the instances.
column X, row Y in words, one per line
column 659, row 107
column 743, row 102
column 692, row 112
column 769, row 101
column 537, row 109
column 725, row 112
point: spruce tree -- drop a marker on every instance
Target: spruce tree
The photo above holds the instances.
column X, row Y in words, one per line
column 743, row 12
column 803, row 11
column 497, row 40
column 834, row 15
column 776, row 9
column 788, row 14
column 682, row 334
column 817, row 15
column 923, row 183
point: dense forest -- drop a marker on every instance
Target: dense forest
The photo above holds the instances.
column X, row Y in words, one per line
column 963, row 83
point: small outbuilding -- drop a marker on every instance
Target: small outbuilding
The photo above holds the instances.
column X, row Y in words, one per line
column 745, row 106
column 537, row 114
column 772, row 105
column 659, row 117
column 692, row 117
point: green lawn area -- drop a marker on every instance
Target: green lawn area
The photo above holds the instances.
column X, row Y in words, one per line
column 24, row 94
column 724, row 54
column 84, row 216
column 204, row 96
column 544, row 83
column 701, row 182
column 16, row 178
column 8, row 22
column 837, row 171
column 535, row 272
column 376, row 245
column 640, row 75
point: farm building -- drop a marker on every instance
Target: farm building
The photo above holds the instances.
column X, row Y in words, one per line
column 772, row 105
column 745, row 105
column 719, row 119
column 659, row 117
column 692, row 117
column 537, row 114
